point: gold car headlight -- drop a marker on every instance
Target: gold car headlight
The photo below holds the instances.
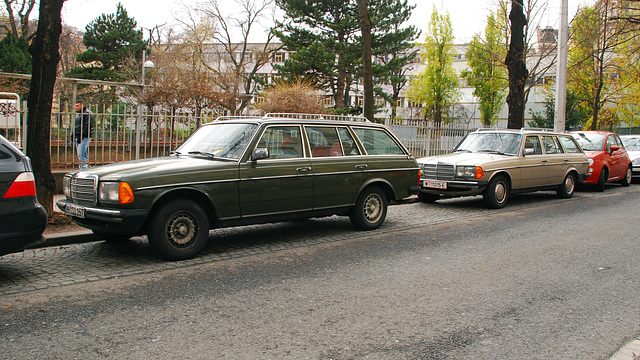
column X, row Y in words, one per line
column 475, row 172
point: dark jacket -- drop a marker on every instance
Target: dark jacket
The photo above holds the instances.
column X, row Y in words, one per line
column 84, row 125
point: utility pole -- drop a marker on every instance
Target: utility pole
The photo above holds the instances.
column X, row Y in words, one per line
column 561, row 75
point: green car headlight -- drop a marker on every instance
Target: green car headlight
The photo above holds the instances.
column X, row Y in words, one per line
column 108, row 191
column 66, row 186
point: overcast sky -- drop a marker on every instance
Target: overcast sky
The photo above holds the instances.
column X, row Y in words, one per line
column 468, row 16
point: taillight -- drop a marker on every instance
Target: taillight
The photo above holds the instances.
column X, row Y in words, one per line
column 23, row 185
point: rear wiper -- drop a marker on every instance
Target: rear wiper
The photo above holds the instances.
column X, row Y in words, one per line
column 209, row 155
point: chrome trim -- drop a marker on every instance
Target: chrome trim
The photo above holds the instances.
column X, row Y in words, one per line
column 185, row 184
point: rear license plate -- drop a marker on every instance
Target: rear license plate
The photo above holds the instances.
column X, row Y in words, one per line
column 74, row 210
column 435, row 184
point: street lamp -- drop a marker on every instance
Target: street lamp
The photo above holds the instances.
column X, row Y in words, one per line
column 146, row 64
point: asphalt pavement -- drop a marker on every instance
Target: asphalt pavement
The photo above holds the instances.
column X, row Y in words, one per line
column 69, row 241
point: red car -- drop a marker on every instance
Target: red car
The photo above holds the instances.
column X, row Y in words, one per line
column 608, row 159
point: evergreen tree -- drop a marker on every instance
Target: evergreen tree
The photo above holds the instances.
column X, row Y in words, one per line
column 323, row 37
column 577, row 115
column 112, row 42
column 393, row 47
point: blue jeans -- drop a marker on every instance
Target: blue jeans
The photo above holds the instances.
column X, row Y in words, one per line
column 82, row 149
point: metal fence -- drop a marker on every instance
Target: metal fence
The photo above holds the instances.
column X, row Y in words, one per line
column 423, row 138
column 118, row 138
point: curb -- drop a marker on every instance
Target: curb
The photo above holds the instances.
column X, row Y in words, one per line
column 66, row 238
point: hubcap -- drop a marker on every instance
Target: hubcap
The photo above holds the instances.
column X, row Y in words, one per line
column 181, row 229
column 501, row 192
column 568, row 184
column 373, row 208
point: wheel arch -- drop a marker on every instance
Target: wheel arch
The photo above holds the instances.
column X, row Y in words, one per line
column 383, row 184
column 185, row 193
column 505, row 174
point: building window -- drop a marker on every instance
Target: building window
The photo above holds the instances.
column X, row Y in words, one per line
column 399, row 102
column 278, row 57
column 379, row 101
column 327, row 100
column 360, row 101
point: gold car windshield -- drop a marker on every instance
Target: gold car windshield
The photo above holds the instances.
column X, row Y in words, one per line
column 493, row 142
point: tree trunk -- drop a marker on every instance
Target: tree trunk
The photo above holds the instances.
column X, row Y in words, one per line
column 365, row 27
column 44, row 50
column 517, row 67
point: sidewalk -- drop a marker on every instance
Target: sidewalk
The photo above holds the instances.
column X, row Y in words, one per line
column 63, row 231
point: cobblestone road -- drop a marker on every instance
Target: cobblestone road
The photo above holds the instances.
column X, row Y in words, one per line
column 78, row 263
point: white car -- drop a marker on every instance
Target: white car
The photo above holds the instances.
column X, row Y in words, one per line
column 632, row 144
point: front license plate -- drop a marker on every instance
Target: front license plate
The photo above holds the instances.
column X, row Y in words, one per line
column 435, row 184
column 74, row 210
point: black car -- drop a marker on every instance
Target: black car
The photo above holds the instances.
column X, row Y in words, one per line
column 22, row 218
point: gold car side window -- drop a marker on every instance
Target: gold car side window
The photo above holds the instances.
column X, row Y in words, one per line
column 533, row 142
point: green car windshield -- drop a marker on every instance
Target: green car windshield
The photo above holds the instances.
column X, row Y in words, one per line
column 490, row 142
column 219, row 141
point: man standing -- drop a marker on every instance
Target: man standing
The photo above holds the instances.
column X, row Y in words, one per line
column 84, row 128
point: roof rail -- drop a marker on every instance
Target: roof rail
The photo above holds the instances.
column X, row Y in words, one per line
column 537, row 129
column 491, row 129
column 232, row 117
column 317, row 117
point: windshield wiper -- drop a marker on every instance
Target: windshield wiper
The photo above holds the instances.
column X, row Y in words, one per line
column 492, row 152
column 209, row 155
column 463, row 150
column 176, row 153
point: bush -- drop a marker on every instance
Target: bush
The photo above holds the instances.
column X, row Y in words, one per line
column 292, row 97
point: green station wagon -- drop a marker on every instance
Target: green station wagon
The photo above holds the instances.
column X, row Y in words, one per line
column 242, row 171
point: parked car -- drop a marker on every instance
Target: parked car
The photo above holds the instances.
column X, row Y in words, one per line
column 495, row 163
column 22, row 218
column 244, row 171
column 632, row 145
column 608, row 159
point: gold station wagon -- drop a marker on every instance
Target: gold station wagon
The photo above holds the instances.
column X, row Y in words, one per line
column 244, row 171
column 494, row 163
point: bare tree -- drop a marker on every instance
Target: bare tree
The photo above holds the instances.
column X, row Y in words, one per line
column 45, row 62
column 22, row 10
column 238, row 60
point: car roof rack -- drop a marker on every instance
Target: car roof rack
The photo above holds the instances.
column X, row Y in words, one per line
column 538, row 129
column 302, row 116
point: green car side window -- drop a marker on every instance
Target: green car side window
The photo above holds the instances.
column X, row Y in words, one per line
column 283, row 142
column 378, row 142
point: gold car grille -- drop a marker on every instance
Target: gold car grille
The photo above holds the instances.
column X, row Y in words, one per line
column 438, row 171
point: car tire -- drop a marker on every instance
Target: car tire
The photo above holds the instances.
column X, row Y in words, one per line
column 179, row 230
column 110, row 237
column 370, row 209
column 496, row 194
column 568, row 186
column 427, row 198
column 626, row 181
column 602, row 180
